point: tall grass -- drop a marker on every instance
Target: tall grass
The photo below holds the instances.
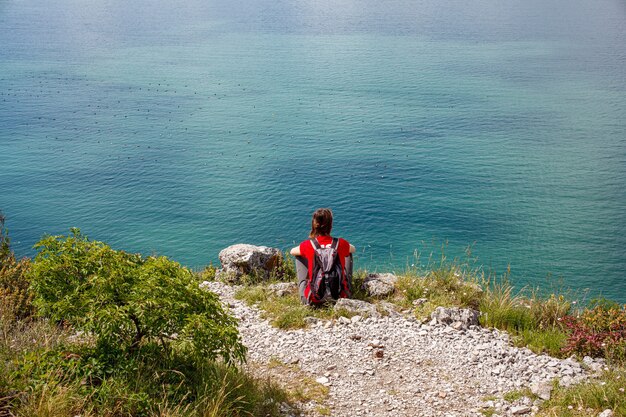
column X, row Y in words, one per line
column 286, row 312
column 589, row 398
column 501, row 308
column 45, row 372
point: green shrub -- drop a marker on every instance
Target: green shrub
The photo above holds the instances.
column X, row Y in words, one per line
column 129, row 302
column 599, row 331
column 15, row 296
column 207, row 274
column 123, row 335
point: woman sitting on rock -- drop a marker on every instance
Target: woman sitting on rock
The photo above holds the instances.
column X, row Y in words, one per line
column 323, row 263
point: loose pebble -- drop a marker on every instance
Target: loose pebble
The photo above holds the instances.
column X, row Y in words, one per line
column 393, row 366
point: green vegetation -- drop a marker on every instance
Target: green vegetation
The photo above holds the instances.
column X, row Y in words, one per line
column 445, row 284
column 533, row 321
column 545, row 324
column 589, row 398
column 285, row 312
column 91, row 331
column 126, row 302
column 488, row 412
column 15, row 296
column 515, row 395
column 598, row 331
column 117, row 334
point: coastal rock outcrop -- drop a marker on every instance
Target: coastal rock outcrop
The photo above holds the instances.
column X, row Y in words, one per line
column 243, row 259
column 460, row 318
column 380, row 285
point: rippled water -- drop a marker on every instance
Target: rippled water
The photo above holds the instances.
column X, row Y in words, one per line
column 183, row 128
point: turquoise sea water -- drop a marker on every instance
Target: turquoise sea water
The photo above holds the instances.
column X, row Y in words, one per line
column 180, row 129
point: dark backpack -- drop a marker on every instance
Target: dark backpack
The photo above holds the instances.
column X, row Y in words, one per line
column 328, row 279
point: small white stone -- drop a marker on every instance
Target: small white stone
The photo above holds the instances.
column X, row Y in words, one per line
column 322, row 380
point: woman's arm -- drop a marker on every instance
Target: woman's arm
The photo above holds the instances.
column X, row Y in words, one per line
column 352, row 248
column 295, row 251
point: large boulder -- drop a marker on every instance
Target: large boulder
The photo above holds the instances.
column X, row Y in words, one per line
column 243, row 259
column 459, row 317
column 380, row 285
column 358, row 307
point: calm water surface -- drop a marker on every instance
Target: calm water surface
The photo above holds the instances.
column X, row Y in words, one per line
column 180, row 129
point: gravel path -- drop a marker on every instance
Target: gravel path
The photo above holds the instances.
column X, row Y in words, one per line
column 394, row 366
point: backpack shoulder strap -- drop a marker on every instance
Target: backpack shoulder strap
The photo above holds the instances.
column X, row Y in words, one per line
column 315, row 243
column 335, row 243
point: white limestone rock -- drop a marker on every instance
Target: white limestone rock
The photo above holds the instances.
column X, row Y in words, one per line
column 462, row 317
column 542, row 390
column 243, row 259
column 380, row 285
column 359, row 307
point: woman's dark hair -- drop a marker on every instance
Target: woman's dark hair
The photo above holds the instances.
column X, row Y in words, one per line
column 322, row 223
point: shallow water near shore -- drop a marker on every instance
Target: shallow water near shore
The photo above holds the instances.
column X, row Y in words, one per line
column 182, row 129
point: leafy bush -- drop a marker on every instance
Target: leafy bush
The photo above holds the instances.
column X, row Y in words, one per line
column 207, row 274
column 15, row 296
column 148, row 336
column 121, row 335
column 599, row 331
column 127, row 302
